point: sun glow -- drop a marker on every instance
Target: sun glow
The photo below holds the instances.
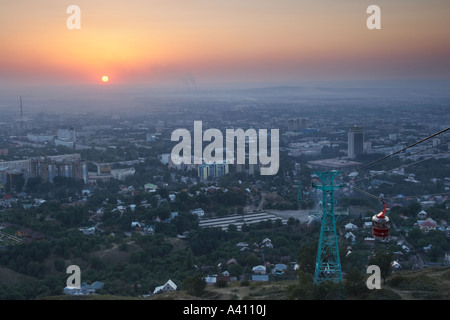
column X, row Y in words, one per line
column 105, row 79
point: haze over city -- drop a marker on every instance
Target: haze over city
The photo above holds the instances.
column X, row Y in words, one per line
column 100, row 100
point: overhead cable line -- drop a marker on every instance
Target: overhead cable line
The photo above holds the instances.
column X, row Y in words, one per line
column 403, row 166
column 403, row 149
column 396, row 152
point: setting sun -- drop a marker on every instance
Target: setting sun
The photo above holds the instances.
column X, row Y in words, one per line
column 105, row 79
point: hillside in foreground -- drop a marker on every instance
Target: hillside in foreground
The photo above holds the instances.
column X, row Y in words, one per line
column 427, row 284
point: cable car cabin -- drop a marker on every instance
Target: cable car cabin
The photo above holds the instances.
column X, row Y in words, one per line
column 380, row 225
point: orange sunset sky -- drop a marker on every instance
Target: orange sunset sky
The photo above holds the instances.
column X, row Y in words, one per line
column 160, row 41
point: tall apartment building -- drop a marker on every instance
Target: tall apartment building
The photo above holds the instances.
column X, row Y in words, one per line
column 69, row 166
column 355, row 142
column 298, row 124
column 66, row 137
column 215, row 170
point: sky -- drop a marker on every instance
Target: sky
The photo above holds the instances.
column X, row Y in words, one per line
column 195, row 42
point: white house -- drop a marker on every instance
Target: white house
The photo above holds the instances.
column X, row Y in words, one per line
column 350, row 236
column 87, row 231
column 405, row 248
column 167, row 287
column 350, row 227
column 260, row 277
column 260, row 269
column 199, row 212
column 422, row 215
column 211, row 279
column 135, row 224
column 266, row 243
column 368, row 224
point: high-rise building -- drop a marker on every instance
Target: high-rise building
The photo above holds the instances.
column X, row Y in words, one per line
column 355, row 142
column 204, row 171
column 47, row 168
column 66, row 137
column 216, row 170
column 297, row 124
column 292, row 125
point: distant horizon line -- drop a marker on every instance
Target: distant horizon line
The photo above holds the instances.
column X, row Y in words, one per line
column 238, row 84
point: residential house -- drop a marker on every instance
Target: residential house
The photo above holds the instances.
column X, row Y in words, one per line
column 427, row 225
column 279, row 269
column 350, row 227
column 350, row 236
column 85, row 289
column 213, row 279
column 87, row 230
column 169, row 286
column 199, row 212
column 242, row 245
column 150, row 187
column 210, row 279
column 368, row 225
column 149, row 229
column 136, row 225
column 422, row 215
column 266, row 243
column 260, row 269
column 260, row 277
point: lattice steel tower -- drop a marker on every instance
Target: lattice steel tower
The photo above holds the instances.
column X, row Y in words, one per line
column 299, row 184
column 328, row 263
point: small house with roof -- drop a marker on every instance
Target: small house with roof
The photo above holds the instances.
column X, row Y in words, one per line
column 427, row 225
column 422, row 215
column 260, row 269
column 169, row 286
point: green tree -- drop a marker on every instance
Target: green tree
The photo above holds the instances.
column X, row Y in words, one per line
column 328, row 290
column 235, row 270
column 354, row 283
column 195, row 285
column 189, row 259
column 59, row 265
column 97, row 263
column 307, row 258
column 303, row 290
column 383, row 259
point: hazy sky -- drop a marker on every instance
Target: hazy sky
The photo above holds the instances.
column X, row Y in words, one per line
column 166, row 41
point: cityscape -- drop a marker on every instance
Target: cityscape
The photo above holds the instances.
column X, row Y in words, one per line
column 102, row 192
column 224, row 151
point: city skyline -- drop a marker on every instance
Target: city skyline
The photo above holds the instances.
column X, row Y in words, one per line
column 203, row 42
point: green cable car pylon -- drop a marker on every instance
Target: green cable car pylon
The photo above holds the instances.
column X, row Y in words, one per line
column 328, row 263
